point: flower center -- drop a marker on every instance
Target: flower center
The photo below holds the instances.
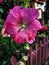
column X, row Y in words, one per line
column 23, row 26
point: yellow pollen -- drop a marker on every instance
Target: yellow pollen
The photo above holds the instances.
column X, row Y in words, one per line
column 23, row 26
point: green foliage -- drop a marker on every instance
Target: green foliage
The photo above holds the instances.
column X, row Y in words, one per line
column 1, row 10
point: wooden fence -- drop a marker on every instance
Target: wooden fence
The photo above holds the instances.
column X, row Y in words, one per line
column 39, row 55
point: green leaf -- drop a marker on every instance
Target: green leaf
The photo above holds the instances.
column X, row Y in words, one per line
column 1, row 10
column 42, row 35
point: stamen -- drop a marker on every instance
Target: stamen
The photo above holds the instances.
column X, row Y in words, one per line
column 23, row 26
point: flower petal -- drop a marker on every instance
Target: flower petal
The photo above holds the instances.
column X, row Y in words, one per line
column 14, row 15
column 11, row 29
column 1, row 1
column 29, row 14
column 35, row 25
column 31, row 36
column 21, row 37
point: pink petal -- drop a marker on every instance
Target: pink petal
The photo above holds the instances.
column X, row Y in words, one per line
column 1, row 1
column 31, row 36
column 25, row 15
column 35, row 25
column 29, row 14
column 21, row 37
column 11, row 29
column 14, row 15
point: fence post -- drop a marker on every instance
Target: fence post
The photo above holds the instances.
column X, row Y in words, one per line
column 31, row 56
column 38, row 55
column 48, row 45
column 42, row 51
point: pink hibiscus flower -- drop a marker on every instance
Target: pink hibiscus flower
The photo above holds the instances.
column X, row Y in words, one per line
column 0, row 1
column 22, row 25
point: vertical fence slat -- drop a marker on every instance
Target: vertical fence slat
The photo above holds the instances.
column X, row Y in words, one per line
column 42, row 52
column 36, row 47
column 45, row 43
column 48, row 44
column 48, row 47
column 31, row 56
column 34, row 57
column 39, row 56
column 46, row 50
